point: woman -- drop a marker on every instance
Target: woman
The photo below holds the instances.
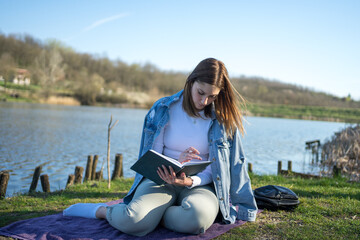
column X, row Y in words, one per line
column 201, row 122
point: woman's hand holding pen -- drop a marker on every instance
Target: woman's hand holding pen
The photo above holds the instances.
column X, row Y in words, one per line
column 189, row 154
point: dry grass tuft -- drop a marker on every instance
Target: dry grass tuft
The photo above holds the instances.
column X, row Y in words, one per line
column 343, row 152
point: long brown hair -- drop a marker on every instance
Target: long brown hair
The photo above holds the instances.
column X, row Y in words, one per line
column 229, row 103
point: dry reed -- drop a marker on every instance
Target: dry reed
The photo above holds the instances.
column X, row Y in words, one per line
column 343, row 152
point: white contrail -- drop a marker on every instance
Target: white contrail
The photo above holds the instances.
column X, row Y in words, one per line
column 105, row 20
column 97, row 24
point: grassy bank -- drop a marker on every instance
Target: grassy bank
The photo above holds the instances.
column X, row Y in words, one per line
column 143, row 100
column 132, row 99
column 350, row 115
column 15, row 93
column 329, row 209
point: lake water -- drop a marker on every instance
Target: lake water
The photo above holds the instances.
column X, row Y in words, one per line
column 61, row 137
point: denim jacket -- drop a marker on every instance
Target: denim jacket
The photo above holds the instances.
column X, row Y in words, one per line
column 230, row 178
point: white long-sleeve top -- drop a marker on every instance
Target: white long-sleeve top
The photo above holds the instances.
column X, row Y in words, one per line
column 182, row 132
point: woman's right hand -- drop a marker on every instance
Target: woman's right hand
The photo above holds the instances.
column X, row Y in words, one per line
column 189, row 154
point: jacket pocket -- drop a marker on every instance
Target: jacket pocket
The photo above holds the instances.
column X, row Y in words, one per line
column 223, row 149
column 149, row 131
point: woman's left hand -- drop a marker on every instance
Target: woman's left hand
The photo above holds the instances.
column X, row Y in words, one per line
column 169, row 176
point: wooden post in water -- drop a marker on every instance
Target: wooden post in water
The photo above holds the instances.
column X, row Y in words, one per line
column 118, row 170
column 35, row 179
column 4, row 179
column 78, row 174
column 279, row 168
column 336, row 171
column 93, row 172
column 45, row 183
column 99, row 175
column 70, row 180
column 250, row 167
column 314, row 146
column 89, row 168
column 289, row 166
column 309, row 144
column 121, row 166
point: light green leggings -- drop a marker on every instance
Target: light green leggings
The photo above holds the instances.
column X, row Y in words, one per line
column 178, row 208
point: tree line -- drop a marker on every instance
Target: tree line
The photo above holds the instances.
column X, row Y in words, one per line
column 59, row 69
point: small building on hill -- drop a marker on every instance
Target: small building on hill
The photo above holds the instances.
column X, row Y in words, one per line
column 22, row 77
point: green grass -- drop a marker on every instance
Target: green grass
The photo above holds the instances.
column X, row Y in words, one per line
column 329, row 209
column 9, row 98
column 11, row 85
column 351, row 115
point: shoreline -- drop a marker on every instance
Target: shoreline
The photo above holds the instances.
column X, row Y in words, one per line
column 270, row 110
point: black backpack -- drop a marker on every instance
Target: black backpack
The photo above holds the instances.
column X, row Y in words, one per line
column 275, row 197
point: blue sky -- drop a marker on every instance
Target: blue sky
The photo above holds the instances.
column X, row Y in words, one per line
column 311, row 43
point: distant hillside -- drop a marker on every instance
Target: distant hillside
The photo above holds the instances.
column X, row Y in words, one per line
column 260, row 90
column 59, row 70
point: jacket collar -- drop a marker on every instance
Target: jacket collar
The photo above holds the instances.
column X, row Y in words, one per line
column 174, row 98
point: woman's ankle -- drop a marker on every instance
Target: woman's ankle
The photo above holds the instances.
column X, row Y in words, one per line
column 86, row 210
column 101, row 212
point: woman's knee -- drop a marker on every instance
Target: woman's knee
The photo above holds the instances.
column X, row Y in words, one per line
column 129, row 221
column 190, row 217
column 144, row 212
column 201, row 216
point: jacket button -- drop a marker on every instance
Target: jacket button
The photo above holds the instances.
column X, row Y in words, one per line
column 218, row 178
column 221, row 199
column 214, row 159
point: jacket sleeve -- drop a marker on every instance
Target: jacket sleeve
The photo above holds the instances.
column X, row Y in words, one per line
column 241, row 194
column 147, row 121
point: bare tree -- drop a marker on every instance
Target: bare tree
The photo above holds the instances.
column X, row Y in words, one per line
column 108, row 149
column 7, row 67
column 49, row 69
